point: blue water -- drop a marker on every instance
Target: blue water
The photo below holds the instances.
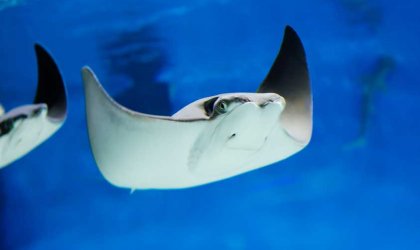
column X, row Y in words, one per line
column 336, row 194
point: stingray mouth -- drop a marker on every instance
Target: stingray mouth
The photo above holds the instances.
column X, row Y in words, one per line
column 239, row 141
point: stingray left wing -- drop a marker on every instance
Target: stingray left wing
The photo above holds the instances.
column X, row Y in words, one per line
column 136, row 150
column 289, row 77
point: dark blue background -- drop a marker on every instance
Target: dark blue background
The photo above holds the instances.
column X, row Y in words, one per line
column 157, row 56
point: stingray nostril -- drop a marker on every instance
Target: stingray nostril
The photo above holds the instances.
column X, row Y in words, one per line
column 37, row 112
column 265, row 104
column 232, row 136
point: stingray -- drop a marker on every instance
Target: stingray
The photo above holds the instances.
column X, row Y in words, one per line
column 211, row 139
column 25, row 127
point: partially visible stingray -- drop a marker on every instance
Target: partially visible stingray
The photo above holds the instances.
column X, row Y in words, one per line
column 25, row 127
column 211, row 139
column 138, row 56
column 373, row 82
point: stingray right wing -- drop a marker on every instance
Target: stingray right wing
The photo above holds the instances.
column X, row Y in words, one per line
column 136, row 150
column 51, row 89
column 289, row 77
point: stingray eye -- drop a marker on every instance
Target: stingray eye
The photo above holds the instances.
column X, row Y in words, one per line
column 222, row 107
column 209, row 105
column 6, row 126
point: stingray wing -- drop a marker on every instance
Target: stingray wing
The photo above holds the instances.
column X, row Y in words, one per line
column 289, row 77
column 136, row 150
column 51, row 89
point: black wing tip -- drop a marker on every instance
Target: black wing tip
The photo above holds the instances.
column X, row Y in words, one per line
column 290, row 62
column 42, row 54
column 291, row 35
column 51, row 89
column 39, row 49
column 292, row 42
column 288, row 29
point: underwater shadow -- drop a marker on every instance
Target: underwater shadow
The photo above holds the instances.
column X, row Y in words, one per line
column 139, row 56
